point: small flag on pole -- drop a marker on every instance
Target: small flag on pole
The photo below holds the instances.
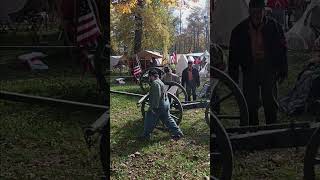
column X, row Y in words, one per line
column 88, row 30
column 137, row 68
column 174, row 58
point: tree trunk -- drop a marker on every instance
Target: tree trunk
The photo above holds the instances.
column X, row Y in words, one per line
column 138, row 28
column 194, row 39
column 198, row 38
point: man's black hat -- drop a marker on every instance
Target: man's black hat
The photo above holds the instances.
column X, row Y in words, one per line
column 153, row 73
column 257, row 4
column 166, row 69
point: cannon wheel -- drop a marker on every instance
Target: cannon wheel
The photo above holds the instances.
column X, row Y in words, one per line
column 144, row 78
column 312, row 157
column 222, row 154
column 175, row 109
column 223, row 88
column 181, row 91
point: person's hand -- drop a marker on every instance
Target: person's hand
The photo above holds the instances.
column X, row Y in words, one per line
column 155, row 110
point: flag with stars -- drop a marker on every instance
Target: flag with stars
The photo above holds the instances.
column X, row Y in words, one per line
column 88, row 30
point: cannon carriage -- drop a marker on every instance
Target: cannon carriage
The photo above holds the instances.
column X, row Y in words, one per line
column 225, row 139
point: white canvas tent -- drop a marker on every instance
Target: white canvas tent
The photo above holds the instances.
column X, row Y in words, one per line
column 114, row 60
column 182, row 64
column 205, row 55
column 194, row 54
column 226, row 15
column 301, row 36
column 205, row 71
column 190, row 58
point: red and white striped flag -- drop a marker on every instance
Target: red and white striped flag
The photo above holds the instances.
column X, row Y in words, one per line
column 88, row 29
column 137, row 68
column 174, row 58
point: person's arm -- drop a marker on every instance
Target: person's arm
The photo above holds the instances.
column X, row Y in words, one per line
column 283, row 58
column 233, row 65
column 183, row 79
column 197, row 77
column 155, row 96
column 176, row 77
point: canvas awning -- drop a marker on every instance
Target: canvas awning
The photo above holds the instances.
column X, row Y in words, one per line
column 148, row 55
column 194, row 54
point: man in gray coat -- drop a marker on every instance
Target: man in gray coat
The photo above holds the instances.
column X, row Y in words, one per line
column 159, row 109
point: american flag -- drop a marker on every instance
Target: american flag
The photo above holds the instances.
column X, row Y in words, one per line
column 88, row 29
column 137, row 68
column 174, row 58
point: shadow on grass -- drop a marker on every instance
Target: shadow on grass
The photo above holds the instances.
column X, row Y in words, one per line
column 195, row 136
column 127, row 141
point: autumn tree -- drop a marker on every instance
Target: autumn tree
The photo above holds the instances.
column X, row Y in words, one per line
column 196, row 28
column 141, row 24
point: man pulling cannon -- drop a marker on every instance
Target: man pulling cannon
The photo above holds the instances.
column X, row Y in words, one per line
column 159, row 109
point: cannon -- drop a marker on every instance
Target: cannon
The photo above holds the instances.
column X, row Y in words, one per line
column 176, row 88
column 225, row 140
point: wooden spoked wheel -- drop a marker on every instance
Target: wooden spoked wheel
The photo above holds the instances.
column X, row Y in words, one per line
column 177, row 89
column 144, row 78
column 221, row 153
column 227, row 101
column 175, row 110
column 312, row 158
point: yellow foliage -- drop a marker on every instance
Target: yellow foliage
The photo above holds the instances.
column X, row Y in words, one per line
column 169, row 2
column 148, row 1
column 127, row 7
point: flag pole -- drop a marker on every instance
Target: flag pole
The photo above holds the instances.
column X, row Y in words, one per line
column 180, row 26
column 180, row 16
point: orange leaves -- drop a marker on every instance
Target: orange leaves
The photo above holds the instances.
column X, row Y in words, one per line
column 126, row 7
column 169, row 2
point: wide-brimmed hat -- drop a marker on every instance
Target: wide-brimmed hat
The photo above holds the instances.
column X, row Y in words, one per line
column 153, row 73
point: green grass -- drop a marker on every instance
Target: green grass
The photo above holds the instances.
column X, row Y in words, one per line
column 277, row 164
column 160, row 158
column 45, row 142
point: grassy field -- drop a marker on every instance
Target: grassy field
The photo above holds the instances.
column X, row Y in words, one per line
column 161, row 158
column 43, row 142
column 276, row 164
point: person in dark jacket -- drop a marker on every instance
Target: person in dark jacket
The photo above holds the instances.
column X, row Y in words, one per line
column 258, row 46
column 190, row 80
